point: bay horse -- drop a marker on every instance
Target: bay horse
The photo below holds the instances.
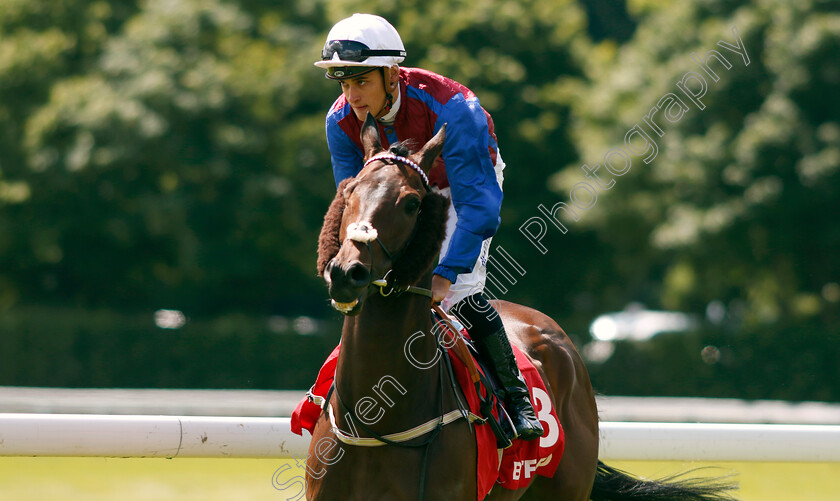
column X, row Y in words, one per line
column 379, row 240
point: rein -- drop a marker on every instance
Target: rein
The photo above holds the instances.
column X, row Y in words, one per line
column 383, row 285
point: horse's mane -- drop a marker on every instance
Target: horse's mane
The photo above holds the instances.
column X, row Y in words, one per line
column 422, row 250
column 328, row 241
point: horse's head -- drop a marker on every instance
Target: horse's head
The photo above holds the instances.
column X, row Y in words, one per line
column 384, row 223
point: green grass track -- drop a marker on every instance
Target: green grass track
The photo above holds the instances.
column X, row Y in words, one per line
column 100, row 479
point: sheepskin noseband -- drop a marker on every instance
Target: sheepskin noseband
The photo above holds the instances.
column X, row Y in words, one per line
column 362, row 232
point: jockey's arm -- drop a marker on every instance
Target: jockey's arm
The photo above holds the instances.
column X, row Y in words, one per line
column 475, row 191
column 345, row 156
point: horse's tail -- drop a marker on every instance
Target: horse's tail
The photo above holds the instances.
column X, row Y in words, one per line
column 612, row 484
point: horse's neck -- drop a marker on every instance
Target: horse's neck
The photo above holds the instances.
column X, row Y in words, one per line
column 373, row 363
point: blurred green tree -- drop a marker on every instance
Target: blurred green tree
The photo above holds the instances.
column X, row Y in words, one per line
column 41, row 43
column 174, row 170
column 737, row 206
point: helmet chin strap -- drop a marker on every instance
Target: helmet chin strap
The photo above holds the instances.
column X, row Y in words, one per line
column 389, row 103
column 389, row 98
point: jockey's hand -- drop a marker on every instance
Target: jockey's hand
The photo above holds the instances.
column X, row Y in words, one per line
column 440, row 287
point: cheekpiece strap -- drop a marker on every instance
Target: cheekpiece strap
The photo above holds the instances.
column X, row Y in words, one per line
column 403, row 160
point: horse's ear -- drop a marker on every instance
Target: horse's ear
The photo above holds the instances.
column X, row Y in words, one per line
column 427, row 155
column 370, row 137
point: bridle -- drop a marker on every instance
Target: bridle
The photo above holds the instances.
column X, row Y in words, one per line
column 382, row 284
column 432, row 428
column 385, row 157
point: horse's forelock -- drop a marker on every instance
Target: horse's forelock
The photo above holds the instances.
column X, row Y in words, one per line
column 403, row 148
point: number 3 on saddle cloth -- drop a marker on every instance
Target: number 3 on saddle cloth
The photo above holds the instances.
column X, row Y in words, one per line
column 511, row 468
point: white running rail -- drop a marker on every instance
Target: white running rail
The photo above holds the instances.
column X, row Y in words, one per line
column 208, row 437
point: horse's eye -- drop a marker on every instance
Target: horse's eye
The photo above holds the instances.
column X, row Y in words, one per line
column 412, row 205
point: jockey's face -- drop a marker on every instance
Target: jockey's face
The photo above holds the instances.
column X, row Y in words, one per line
column 366, row 93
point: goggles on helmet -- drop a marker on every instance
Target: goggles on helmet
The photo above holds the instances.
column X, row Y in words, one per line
column 350, row 50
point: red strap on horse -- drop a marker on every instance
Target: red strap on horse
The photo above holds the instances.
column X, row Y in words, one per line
column 459, row 348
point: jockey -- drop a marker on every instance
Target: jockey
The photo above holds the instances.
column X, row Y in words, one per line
column 362, row 53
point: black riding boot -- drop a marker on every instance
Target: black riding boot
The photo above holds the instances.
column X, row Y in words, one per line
column 488, row 333
column 496, row 350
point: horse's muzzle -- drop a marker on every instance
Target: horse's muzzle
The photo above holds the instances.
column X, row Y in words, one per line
column 347, row 282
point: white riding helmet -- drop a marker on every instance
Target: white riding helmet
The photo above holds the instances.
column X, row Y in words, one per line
column 359, row 44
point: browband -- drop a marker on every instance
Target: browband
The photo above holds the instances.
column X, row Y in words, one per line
column 404, row 160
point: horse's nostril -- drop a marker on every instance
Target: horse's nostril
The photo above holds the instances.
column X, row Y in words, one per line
column 335, row 273
column 358, row 274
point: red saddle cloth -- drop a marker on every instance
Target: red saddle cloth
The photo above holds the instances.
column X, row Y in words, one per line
column 519, row 463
